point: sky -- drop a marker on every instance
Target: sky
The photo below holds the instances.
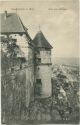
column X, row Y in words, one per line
column 58, row 20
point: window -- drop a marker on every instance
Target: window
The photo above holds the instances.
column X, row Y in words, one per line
column 38, row 60
column 38, row 52
column 38, row 80
column 48, row 52
column 38, row 87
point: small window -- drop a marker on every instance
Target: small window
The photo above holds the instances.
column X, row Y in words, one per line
column 38, row 60
column 38, row 80
column 38, row 52
column 38, row 87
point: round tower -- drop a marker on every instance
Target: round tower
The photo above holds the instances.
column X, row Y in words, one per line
column 43, row 72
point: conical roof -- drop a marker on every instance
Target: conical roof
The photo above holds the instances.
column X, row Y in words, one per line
column 41, row 42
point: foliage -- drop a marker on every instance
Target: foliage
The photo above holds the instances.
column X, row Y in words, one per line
column 68, row 101
column 12, row 88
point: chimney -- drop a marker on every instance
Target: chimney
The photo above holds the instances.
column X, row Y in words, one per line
column 5, row 15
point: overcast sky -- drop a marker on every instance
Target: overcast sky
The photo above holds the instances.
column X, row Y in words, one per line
column 58, row 21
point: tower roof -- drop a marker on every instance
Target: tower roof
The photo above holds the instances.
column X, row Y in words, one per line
column 41, row 42
column 11, row 23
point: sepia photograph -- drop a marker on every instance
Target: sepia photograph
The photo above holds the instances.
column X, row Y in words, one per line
column 39, row 52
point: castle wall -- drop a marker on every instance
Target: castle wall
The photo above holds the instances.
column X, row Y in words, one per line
column 27, row 52
column 45, row 56
column 44, row 73
column 31, row 70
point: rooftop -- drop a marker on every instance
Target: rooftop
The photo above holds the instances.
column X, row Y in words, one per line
column 11, row 23
column 41, row 42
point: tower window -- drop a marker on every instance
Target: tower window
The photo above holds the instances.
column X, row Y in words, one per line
column 38, row 81
column 38, row 60
column 38, row 87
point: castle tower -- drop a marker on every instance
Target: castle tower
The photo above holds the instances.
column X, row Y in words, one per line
column 43, row 65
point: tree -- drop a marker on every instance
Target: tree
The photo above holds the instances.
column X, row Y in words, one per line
column 12, row 90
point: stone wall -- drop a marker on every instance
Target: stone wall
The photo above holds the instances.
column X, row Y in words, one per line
column 31, row 70
column 45, row 56
column 44, row 73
